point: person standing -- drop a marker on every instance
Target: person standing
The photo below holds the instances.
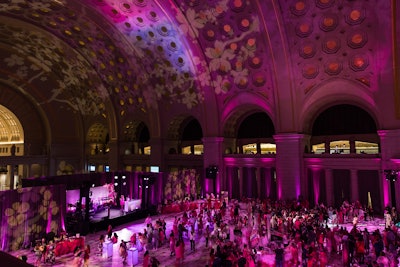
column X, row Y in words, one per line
column 123, row 251
column 154, row 262
column 179, row 252
column 38, row 253
column 155, row 239
column 100, row 245
column 109, row 231
column 212, row 258
column 146, row 259
column 86, row 256
column 279, row 256
column 172, row 243
column 207, row 234
column 77, row 262
column 366, row 239
column 192, row 240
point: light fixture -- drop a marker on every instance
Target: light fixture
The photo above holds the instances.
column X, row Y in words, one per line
column 391, row 175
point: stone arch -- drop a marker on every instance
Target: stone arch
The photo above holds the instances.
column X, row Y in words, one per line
column 232, row 124
column 240, row 107
column 177, row 130
column 97, row 137
column 132, row 130
column 30, row 116
column 178, row 124
column 333, row 93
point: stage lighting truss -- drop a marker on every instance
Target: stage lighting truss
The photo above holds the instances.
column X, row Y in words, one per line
column 147, row 181
column 391, row 175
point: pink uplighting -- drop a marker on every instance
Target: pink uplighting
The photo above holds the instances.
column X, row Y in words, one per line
column 316, row 182
column 385, row 189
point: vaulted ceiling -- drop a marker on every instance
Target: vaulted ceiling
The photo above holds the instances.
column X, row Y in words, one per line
column 82, row 55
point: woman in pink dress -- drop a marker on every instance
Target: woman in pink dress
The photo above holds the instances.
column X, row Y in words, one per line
column 146, row 259
column 323, row 257
column 179, row 253
column 172, row 243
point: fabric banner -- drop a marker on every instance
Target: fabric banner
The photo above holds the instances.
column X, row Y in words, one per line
column 28, row 214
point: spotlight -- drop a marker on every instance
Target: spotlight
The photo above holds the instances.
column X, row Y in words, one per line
column 115, row 184
column 123, row 177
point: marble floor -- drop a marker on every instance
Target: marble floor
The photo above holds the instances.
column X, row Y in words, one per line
column 193, row 259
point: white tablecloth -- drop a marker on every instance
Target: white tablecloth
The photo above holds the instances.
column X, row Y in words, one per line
column 133, row 204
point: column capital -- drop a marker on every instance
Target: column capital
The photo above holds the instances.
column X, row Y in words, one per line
column 389, row 133
column 288, row 137
column 212, row 139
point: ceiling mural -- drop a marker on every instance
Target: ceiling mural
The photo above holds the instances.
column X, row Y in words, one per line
column 236, row 55
column 36, row 58
column 191, row 46
column 136, row 53
column 159, row 51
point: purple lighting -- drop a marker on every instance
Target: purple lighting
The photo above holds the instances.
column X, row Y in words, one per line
column 316, row 182
column 385, row 187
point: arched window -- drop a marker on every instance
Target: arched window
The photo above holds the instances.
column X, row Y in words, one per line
column 344, row 129
column 255, row 135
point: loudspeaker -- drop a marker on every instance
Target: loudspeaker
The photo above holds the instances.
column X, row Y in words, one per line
column 211, row 172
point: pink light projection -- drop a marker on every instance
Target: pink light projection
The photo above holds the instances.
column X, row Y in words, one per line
column 386, row 193
column 251, row 161
column 267, row 182
column 245, row 98
column 218, row 184
column 316, row 184
column 278, row 186
column 160, row 51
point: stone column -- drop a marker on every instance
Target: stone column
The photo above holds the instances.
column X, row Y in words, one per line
column 327, row 147
column 12, row 172
column 352, row 146
column 289, row 165
column 330, row 201
column 213, row 149
column 316, row 185
column 240, row 182
column 389, row 145
column 354, row 185
column 157, row 153
column 114, row 156
column 258, row 179
column 135, row 148
column 268, row 181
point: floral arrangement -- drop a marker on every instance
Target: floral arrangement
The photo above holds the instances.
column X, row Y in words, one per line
column 182, row 183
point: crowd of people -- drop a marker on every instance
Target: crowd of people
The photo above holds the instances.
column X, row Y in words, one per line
column 252, row 232
column 45, row 253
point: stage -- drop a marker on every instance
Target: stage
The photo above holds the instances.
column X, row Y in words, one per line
column 114, row 213
column 117, row 217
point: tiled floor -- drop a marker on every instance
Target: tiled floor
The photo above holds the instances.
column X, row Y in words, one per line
column 196, row 259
